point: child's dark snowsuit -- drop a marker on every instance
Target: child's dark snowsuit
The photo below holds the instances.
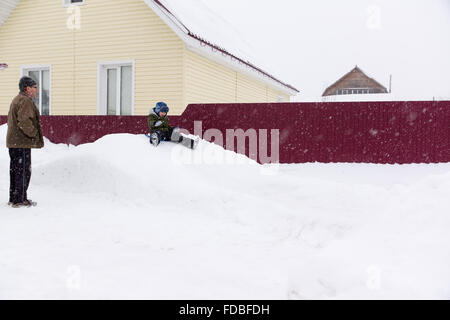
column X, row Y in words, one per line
column 160, row 130
column 160, row 125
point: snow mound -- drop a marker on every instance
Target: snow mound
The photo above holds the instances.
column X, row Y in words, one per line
column 120, row 219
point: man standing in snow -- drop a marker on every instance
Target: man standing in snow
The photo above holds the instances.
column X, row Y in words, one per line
column 160, row 130
column 24, row 133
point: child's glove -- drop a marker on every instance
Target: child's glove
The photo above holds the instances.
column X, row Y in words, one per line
column 159, row 123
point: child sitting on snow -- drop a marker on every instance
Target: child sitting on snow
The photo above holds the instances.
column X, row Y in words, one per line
column 160, row 130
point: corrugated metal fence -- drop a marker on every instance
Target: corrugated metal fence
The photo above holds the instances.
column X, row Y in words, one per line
column 369, row 132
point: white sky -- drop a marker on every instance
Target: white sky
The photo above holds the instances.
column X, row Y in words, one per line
column 312, row 43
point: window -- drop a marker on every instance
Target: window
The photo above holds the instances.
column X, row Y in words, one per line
column 67, row 3
column 352, row 91
column 116, row 88
column 42, row 76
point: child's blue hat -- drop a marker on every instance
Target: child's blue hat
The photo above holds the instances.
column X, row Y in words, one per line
column 161, row 107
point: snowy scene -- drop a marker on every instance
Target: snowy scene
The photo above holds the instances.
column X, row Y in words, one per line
column 230, row 231
column 212, row 150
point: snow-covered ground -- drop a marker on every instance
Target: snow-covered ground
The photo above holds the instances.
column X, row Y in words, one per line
column 121, row 219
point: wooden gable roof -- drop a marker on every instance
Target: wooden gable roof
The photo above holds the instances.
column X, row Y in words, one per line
column 355, row 79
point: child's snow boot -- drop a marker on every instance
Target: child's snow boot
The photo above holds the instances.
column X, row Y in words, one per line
column 155, row 139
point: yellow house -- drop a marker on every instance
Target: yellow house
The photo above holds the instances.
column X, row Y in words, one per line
column 102, row 57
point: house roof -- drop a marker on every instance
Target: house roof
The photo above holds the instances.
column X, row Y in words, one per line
column 216, row 52
column 355, row 69
column 3, row 66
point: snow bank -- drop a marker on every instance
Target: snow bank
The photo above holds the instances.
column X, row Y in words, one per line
column 120, row 219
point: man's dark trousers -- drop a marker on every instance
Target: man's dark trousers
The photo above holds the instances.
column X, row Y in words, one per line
column 19, row 174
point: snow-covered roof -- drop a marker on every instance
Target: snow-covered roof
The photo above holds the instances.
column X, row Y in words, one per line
column 194, row 23
column 3, row 66
column 6, row 7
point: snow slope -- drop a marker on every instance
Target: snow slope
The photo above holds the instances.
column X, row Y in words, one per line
column 121, row 219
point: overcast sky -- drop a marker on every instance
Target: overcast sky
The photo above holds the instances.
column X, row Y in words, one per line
column 312, row 43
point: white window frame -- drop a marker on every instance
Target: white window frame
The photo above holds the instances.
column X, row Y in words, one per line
column 40, row 67
column 352, row 91
column 68, row 3
column 102, row 67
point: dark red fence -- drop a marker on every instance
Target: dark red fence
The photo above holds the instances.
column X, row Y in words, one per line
column 370, row 132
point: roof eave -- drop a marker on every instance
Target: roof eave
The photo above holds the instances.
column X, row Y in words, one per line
column 197, row 45
column 7, row 8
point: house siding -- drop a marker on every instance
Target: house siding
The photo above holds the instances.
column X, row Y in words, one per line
column 35, row 35
column 209, row 82
column 125, row 30
column 129, row 30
